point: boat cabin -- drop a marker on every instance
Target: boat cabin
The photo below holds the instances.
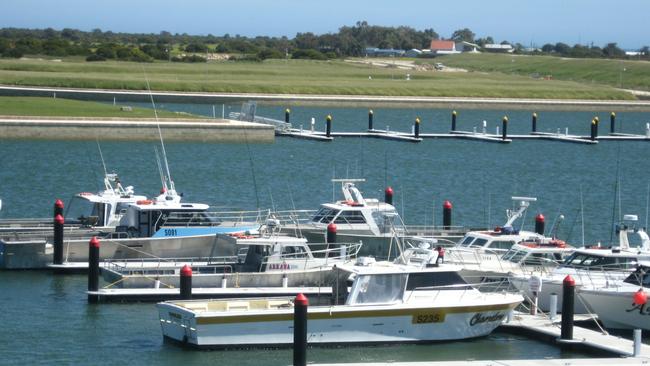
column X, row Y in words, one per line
column 538, row 254
column 498, row 240
column 103, row 209
column 145, row 218
column 604, row 259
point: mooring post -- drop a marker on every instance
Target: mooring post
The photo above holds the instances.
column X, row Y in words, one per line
column 535, row 286
column 446, row 215
column 453, row 120
column 534, row 122
column 568, row 294
column 612, row 122
column 93, row 270
column 59, row 221
column 186, row 283
column 552, row 311
column 388, row 195
column 505, row 128
column 370, row 118
column 637, row 343
column 300, row 306
column 287, row 114
column 330, row 238
column 596, row 128
column 328, row 121
column 416, row 128
column 593, row 130
column 539, row 224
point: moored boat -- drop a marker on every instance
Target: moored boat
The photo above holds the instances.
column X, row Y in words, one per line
column 386, row 303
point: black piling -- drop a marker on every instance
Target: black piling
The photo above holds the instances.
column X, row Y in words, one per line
column 416, row 128
column 388, row 195
column 328, row 121
column 593, row 130
column 186, row 283
column 568, row 298
column 453, row 120
column 93, row 269
column 596, row 128
column 504, row 133
column 612, row 122
column 287, row 115
column 534, row 122
column 446, row 215
column 58, row 207
column 300, row 306
column 371, row 115
column 539, row 224
column 58, row 239
column 330, row 238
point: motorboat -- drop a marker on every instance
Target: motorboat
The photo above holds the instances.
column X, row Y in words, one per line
column 356, row 218
column 386, row 303
column 593, row 266
column 495, row 253
column 621, row 304
column 262, row 260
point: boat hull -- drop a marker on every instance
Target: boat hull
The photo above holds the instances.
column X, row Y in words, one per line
column 334, row 325
column 616, row 309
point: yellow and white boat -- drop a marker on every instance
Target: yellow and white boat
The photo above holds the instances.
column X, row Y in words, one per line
column 386, row 303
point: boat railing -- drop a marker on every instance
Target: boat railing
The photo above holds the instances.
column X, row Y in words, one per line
column 342, row 252
column 213, row 218
column 279, row 125
column 145, row 265
column 596, row 275
column 18, row 223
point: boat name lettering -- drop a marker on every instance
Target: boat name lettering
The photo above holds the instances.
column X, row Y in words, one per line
column 643, row 310
column 479, row 318
column 423, row 318
column 280, row 266
column 170, row 232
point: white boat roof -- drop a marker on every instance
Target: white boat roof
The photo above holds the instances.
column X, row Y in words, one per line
column 537, row 248
column 242, row 239
column 393, row 268
column 108, row 197
column 498, row 235
column 369, row 203
column 613, row 252
column 150, row 205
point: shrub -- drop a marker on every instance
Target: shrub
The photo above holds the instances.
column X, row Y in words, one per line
column 93, row 58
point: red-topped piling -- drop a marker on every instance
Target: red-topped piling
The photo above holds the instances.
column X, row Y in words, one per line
column 388, row 195
column 330, row 238
column 93, row 269
column 446, row 215
column 568, row 300
column 58, row 207
column 539, row 224
column 186, row 282
column 59, row 222
column 301, row 304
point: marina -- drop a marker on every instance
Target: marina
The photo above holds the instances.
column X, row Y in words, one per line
column 126, row 325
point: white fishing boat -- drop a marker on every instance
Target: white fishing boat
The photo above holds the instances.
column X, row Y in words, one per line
column 592, row 267
column 621, row 304
column 386, row 303
column 264, row 260
column 496, row 253
column 356, row 218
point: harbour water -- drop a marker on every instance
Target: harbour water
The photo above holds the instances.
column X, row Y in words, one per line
column 46, row 320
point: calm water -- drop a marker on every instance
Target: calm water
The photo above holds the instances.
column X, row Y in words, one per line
column 46, row 319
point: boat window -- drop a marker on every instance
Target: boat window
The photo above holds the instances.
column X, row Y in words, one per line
column 436, row 281
column 467, row 240
column 539, row 259
column 350, row 217
column 78, row 209
column 384, row 220
column 291, row 251
column 640, row 277
column 500, row 244
column 377, row 289
column 479, row 242
column 325, row 215
column 514, row 256
column 121, row 207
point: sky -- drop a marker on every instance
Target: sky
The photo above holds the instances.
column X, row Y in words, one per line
column 525, row 21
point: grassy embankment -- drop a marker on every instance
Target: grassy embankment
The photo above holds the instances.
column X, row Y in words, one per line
column 293, row 77
column 625, row 74
column 51, row 107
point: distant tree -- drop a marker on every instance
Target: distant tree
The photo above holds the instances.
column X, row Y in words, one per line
column 306, row 41
column 464, row 34
column 562, row 48
column 4, row 44
column 94, row 57
column 16, row 52
column 548, row 48
column 611, row 50
column 267, row 53
column 308, row 54
column 483, row 41
column 107, row 51
column 196, row 47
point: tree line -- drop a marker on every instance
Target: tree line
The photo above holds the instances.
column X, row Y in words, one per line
column 98, row 45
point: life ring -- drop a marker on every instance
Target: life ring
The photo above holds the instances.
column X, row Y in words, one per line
column 144, row 202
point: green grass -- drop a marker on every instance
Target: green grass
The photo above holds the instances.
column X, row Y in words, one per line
column 51, row 107
column 292, row 77
column 615, row 73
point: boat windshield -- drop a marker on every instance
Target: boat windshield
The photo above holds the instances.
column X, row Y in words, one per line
column 325, row 215
column 467, row 240
column 377, row 289
column 640, row 277
column 82, row 210
column 514, row 255
column 384, row 220
column 350, row 217
column 597, row 262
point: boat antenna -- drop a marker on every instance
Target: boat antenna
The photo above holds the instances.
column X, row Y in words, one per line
column 647, row 201
column 250, row 159
column 101, row 156
column 582, row 217
column 162, row 143
column 271, row 196
column 618, row 165
column 160, row 170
